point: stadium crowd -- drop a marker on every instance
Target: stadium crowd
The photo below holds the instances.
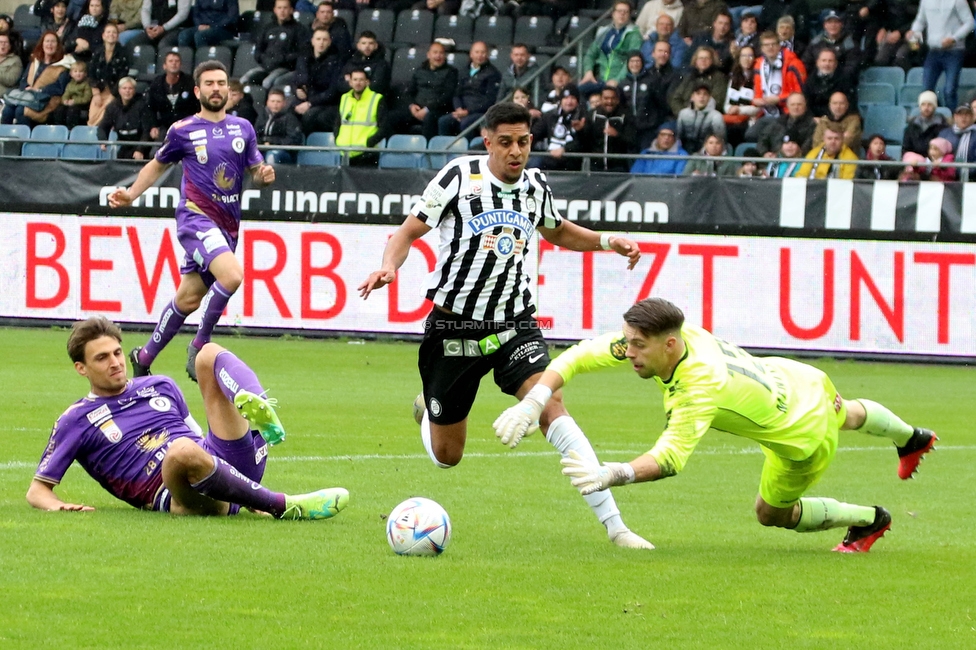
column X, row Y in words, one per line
column 668, row 78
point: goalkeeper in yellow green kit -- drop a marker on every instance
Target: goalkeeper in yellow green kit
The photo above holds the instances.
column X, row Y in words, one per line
column 790, row 408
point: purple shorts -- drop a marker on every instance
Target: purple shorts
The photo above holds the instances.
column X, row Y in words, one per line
column 203, row 241
column 248, row 455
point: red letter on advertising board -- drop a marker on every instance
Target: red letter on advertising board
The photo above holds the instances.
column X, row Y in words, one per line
column 827, row 314
column 393, row 290
column 945, row 261
column 252, row 275
column 660, row 252
column 88, row 265
column 327, row 271
column 166, row 255
column 587, row 290
column 708, row 255
column 33, row 261
column 544, row 247
column 894, row 314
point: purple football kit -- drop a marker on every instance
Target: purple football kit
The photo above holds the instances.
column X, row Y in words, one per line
column 121, row 442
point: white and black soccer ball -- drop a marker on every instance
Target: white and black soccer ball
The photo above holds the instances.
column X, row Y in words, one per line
column 418, row 526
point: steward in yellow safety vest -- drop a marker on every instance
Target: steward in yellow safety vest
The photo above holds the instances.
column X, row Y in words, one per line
column 359, row 117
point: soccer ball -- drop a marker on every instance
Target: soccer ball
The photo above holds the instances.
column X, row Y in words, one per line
column 418, row 526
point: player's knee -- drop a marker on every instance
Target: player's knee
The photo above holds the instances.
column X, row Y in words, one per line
column 186, row 455
column 231, row 279
column 554, row 409
column 446, row 456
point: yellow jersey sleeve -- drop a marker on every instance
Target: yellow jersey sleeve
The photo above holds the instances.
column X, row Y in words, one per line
column 606, row 351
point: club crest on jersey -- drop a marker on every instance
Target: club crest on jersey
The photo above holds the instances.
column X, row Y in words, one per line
column 161, row 404
column 150, row 443
column 237, row 144
column 503, row 244
column 618, row 348
column 221, row 179
column 530, row 204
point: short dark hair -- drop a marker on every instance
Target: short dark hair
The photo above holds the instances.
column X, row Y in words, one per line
column 653, row 316
column 506, row 113
column 367, row 34
column 208, row 66
column 275, row 91
column 88, row 330
column 359, row 68
column 322, row 28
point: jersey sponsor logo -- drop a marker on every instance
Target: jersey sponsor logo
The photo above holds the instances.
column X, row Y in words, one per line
column 149, row 443
column 433, row 196
column 212, row 239
column 435, row 407
column 221, row 179
column 618, row 349
column 161, row 404
column 99, row 415
column 237, row 144
column 536, row 357
column 196, row 135
column 234, row 129
column 201, row 152
column 495, row 218
column 217, row 132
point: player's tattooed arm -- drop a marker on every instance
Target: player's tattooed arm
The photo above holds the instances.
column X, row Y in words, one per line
column 41, row 496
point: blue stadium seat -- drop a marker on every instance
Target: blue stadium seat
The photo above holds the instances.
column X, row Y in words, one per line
column 443, row 144
column 19, row 131
column 214, row 53
column 914, row 76
column 496, row 31
column 459, row 60
column 889, row 121
column 908, row 95
column 142, row 61
column 320, row 158
column 458, row 28
column 391, row 160
column 967, row 77
column 244, row 60
column 85, row 134
column 534, row 31
column 405, row 61
column 876, row 93
column 379, row 21
column 889, row 75
column 893, row 151
column 45, row 150
column 742, row 147
column 414, row 27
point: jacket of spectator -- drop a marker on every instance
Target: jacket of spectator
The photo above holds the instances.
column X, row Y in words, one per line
column 51, row 79
column 170, row 15
column 844, row 46
column 598, row 141
column 341, row 36
column 376, row 68
column 794, row 73
column 963, row 143
column 851, row 123
column 512, row 78
column 800, row 129
column 940, row 19
column 359, row 119
column 127, row 12
column 321, row 77
column 244, row 109
column 645, row 96
column 106, row 74
column 278, row 46
column 695, row 125
column 920, row 132
column 167, row 104
column 710, row 166
column 647, row 19
column 715, row 78
column 880, row 172
column 822, row 165
column 89, row 28
column 698, row 16
column 614, row 66
column 661, row 166
column 219, row 14
column 78, row 92
column 679, row 49
column 478, row 92
column 433, row 89
column 11, row 68
column 818, row 89
column 131, row 122
column 722, row 47
column 282, row 128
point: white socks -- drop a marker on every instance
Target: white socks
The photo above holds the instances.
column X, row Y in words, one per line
column 565, row 435
column 425, row 436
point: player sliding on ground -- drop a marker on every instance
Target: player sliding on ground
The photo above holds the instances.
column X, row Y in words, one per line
column 138, row 440
column 486, row 210
column 790, row 408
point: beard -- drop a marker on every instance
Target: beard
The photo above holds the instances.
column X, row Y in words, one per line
column 213, row 104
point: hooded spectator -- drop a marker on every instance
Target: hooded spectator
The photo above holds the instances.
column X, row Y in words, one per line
column 665, row 144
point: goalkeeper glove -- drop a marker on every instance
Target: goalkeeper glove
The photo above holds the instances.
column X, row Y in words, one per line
column 589, row 477
column 523, row 418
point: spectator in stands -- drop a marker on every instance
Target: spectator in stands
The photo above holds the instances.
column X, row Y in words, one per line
column 214, row 21
column 11, row 66
column 439, row 7
column 699, row 120
column 361, row 111
column 711, row 165
column 522, row 66
column 940, row 151
column 665, row 144
column 840, row 111
column 945, row 24
column 560, row 79
column 370, row 55
column 797, row 123
column 749, row 168
column 594, row 101
column 825, row 156
column 876, row 149
column 653, row 10
column 666, row 32
column 747, row 35
column 835, row 37
column 240, row 103
column 56, row 19
column 698, row 16
column 864, row 19
column 778, row 74
column 962, row 136
column 924, row 126
column 739, row 111
column 605, row 61
column 170, row 96
column 278, row 47
column 326, row 17
column 161, row 22
column 476, row 92
column 319, row 84
column 278, row 127
column 560, row 131
column 429, row 96
column 644, row 94
column 609, row 131
column 77, row 95
column 703, row 70
column 47, row 75
column 87, row 34
column 893, row 47
column 824, row 82
column 789, row 148
column 788, row 38
column 911, row 172
column 131, row 120
column 719, row 38
column 127, row 15
column 108, row 65
column 773, row 10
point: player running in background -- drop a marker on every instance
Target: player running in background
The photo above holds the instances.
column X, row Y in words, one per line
column 138, row 440
column 487, row 209
column 216, row 150
column 790, row 408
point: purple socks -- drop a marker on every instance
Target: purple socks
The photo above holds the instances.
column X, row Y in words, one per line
column 213, row 306
column 228, row 484
column 233, row 376
column 168, row 326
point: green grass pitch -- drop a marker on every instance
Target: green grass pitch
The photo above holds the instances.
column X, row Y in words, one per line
column 528, row 565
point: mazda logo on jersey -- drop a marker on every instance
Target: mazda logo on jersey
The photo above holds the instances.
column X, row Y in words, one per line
column 493, row 218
